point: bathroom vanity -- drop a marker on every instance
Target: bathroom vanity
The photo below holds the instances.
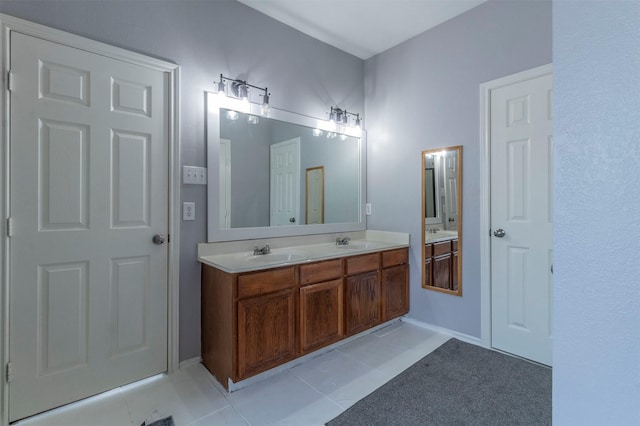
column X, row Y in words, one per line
column 258, row 314
column 441, row 262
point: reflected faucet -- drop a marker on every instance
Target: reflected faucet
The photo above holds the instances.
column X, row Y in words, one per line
column 432, row 230
column 342, row 241
column 262, row 250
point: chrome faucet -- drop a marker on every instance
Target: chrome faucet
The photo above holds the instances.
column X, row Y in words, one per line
column 262, row 250
column 432, row 230
column 342, row 241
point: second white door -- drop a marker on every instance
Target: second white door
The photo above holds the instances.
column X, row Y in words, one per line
column 521, row 218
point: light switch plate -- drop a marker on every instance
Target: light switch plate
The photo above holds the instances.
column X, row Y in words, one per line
column 189, row 210
column 194, row 175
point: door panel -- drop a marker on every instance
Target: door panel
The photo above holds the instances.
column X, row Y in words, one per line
column 521, row 194
column 89, row 189
column 285, row 183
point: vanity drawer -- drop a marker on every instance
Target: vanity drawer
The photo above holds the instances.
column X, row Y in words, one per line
column 364, row 263
column 394, row 257
column 454, row 245
column 257, row 283
column 428, row 250
column 320, row 271
column 441, row 248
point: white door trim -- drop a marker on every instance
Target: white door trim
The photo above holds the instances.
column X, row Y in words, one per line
column 10, row 23
column 485, row 190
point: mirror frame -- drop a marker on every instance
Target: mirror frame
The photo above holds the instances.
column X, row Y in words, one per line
column 213, row 103
column 458, row 150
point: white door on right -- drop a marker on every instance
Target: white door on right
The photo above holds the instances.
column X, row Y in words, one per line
column 521, row 218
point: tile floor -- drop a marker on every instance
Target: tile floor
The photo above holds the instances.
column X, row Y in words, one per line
column 311, row 393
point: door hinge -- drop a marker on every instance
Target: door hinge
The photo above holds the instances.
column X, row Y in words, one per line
column 10, row 79
column 9, row 227
column 9, row 372
column 168, row 238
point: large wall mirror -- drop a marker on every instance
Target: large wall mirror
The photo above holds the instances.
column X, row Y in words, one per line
column 442, row 220
column 280, row 174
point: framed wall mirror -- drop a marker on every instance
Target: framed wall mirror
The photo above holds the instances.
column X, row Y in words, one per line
column 442, row 220
column 280, row 173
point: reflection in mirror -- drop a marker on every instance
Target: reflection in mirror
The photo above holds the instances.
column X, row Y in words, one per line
column 315, row 195
column 441, row 223
column 280, row 175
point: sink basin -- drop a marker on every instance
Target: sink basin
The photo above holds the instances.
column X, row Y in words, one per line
column 359, row 246
column 277, row 257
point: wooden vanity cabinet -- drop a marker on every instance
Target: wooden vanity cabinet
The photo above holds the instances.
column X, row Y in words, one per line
column 248, row 321
column 266, row 332
column 441, row 264
column 363, row 306
column 321, row 304
column 266, row 319
column 257, row 320
column 395, row 283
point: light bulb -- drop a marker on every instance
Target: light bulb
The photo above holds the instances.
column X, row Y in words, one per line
column 265, row 102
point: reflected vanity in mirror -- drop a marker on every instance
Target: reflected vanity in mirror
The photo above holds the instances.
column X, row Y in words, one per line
column 280, row 174
column 442, row 220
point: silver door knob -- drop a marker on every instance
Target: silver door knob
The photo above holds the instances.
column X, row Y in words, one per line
column 499, row 233
column 158, row 239
column 292, row 219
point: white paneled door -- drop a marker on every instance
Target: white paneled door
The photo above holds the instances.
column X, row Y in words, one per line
column 521, row 218
column 285, row 183
column 89, row 188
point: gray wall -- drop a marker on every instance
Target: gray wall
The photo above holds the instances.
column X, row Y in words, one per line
column 207, row 38
column 424, row 94
column 596, row 351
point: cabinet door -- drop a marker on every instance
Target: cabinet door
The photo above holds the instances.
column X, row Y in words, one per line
column 321, row 314
column 427, row 279
column 454, row 271
column 265, row 332
column 442, row 271
column 362, row 300
column 395, row 291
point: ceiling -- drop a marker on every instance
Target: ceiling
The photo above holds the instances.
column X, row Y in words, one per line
column 363, row 28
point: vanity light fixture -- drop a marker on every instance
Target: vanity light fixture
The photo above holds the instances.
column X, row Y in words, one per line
column 265, row 101
column 240, row 89
column 222, row 88
column 317, row 132
column 339, row 116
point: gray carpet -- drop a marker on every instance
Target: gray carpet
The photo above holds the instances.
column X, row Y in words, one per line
column 459, row 384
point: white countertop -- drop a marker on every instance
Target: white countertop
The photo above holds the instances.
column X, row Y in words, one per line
column 244, row 261
column 439, row 236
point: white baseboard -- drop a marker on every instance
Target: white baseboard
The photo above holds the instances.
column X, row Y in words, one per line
column 189, row 362
column 460, row 336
